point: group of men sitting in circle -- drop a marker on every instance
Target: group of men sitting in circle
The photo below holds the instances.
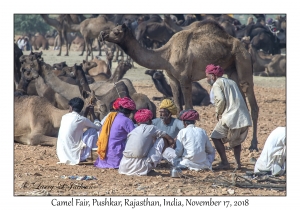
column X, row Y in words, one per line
column 136, row 149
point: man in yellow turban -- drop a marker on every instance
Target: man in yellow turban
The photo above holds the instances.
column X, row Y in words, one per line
column 166, row 122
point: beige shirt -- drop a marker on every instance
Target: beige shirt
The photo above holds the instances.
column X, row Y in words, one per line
column 230, row 104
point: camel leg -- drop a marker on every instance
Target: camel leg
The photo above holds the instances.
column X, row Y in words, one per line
column 99, row 47
column 244, row 70
column 177, row 97
column 66, row 42
column 117, row 55
column 83, row 49
column 186, row 88
column 91, row 45
column 86, row 47
column 37, row 139
column 60, row 39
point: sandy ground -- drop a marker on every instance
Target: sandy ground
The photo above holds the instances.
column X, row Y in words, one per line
column 35, row 167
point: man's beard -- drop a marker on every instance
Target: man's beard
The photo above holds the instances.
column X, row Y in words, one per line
column 211, row 82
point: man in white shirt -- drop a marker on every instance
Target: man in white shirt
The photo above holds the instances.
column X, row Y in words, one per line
column 232, row 114
column 69, row 141
column 144, row 147
column 273, row 156
column 193, row 148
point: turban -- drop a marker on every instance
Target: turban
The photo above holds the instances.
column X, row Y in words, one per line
column 143, row 115
column 169, row 105
column 189, row 115
column 216, row 70
column 127, row 103
column 116, row 104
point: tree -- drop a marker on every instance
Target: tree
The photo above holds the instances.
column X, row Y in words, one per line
column 27, row 23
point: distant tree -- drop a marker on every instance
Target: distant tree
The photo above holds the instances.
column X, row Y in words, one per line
column 27, row 23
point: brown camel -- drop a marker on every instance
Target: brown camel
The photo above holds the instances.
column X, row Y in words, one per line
column 100, row 66
column 37, row 121
column 268, row 65
column 90, row 29
column 185, row 56
column 62, row 27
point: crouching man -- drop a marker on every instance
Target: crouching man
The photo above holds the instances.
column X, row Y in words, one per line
column 193, row 148
column 145, row 146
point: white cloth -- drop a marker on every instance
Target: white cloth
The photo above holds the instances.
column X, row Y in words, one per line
column 273, row 155
column 21, row 44
column 230, row 103
column 212, row 97
column 194, row 149
column 143, row 150
column 69, row 141
column 171, row 129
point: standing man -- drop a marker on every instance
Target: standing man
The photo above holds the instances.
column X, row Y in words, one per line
column 70, row 135
column 166, row 122
column 145, row 146
column 232, row 114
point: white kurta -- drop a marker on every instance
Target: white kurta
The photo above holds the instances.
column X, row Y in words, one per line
column 194, row 149
column 230, row 103
column 273, row 156
column 69, row 141
column 143, row 150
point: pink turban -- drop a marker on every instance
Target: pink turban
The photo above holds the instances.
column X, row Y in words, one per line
column 216, row 70
column 189, row 115
column 116, row 104
column 127, row 103
column 143, row 115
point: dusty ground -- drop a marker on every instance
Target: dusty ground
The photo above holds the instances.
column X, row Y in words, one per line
column 35, row 166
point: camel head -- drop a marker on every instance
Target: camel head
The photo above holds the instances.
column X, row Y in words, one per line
column 109, row 54
column 30, row 66
column 124, row 66
column 59, row 66
column 87, row 65
column 150, row 72
column 100, row 108
column 116, row 35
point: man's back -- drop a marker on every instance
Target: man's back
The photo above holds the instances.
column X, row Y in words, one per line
column 194, row 146
column 230, row 104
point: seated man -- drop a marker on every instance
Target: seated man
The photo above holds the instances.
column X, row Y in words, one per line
column 193, row 148
column 112, row 139
column 166, row 122
column 145, row 146
column 272, row 158
column 69, row 141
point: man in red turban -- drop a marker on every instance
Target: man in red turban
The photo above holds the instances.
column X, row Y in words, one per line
column 116, row 104
column 229, row 103
column 113, row 134
column 143, row 116
column 145, row 146
column 193, row 148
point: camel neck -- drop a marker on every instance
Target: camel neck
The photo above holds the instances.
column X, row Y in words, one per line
column 66, row 90
column 152, row 59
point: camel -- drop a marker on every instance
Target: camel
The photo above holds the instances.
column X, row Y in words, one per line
column 37, row 121
column 200, row 97
column 60, row 25
column 100, row 66
column 268, row 65
column 90, row 29
column 185, row 56
column 26, row 77
column 38, row 42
